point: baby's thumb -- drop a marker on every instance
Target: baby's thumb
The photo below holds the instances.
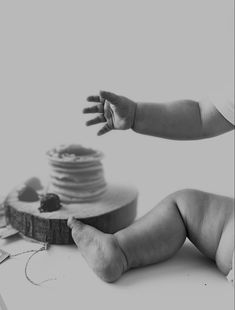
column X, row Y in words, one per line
column 111, row 97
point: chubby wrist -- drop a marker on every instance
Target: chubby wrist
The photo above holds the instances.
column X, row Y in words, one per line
column 133, row 114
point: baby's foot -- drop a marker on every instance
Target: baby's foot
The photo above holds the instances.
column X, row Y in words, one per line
column 101, row 251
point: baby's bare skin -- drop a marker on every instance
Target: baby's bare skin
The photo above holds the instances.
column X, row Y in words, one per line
column 206, row 219
column 177, row 120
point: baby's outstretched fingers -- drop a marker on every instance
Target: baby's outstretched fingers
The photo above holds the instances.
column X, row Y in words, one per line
column 111, row 97
column 99, row 108
column 96, row 120
column 104, row 130
column 93, row 99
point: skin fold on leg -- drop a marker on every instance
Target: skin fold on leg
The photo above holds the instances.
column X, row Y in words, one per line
column 155, row 237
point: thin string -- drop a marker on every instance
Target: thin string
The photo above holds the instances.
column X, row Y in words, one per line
column 43, row 248
column 26, row 269
column 25, row 252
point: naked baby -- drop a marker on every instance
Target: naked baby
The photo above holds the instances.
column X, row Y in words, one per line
column 206, row 219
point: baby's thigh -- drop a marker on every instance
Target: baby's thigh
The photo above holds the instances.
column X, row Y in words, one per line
column 225, row 249
column 209, row 223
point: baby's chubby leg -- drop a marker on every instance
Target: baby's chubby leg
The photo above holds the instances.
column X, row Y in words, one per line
column 155, row 237
column 209, row 220
column 205, row 218
column 151, row 239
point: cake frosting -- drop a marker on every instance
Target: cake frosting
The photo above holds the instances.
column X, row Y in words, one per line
column 76, row 173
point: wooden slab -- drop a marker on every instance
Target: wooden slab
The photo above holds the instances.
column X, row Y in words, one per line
column 115, row 210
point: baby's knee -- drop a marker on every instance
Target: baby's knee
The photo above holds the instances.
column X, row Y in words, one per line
column 184, row 200
column 195, row 206
column 187, row 197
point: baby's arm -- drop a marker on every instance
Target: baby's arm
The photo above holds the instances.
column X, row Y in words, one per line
column 180, row 120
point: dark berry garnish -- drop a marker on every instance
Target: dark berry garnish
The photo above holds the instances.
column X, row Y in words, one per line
column 28, row 194
column 49, row 203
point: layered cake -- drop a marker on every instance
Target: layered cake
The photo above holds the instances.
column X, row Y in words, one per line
column 76, row 173
column 77, row 188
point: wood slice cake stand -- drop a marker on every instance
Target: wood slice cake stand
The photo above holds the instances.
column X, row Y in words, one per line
column 114, row 210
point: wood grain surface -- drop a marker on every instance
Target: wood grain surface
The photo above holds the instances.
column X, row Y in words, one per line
column 115, row 210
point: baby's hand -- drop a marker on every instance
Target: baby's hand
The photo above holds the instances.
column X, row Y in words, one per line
column 117, row 112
